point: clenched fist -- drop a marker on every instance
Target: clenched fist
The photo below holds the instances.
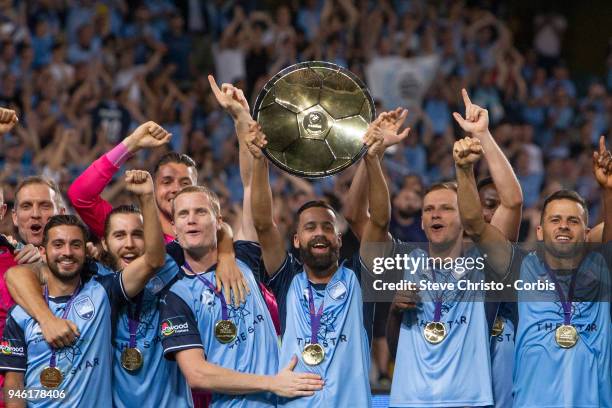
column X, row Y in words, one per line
column 147, row 135
column 138, row 182
column 467, row 151
column 8, row 119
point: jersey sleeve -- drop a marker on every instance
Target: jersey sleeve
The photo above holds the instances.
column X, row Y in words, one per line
column 178, row 326
column 280, row 281
column 84, row 194
column 113, row 285
column 13, row 347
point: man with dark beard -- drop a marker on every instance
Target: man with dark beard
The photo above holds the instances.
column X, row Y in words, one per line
column 323, row 318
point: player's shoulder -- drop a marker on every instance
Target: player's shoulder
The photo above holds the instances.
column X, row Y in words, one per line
column 19, row 315
column 181, row 286
column 164, row 277
column 247, row 247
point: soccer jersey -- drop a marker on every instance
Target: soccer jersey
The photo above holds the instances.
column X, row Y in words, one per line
column 159, row 381
column 502, row 357
column 546, row 375
column 341, row 333
column 457, row 371
column 190, row 310
column 86, row 364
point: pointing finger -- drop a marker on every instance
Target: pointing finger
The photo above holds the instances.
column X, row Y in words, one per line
column 466, row 98
column 214, row 86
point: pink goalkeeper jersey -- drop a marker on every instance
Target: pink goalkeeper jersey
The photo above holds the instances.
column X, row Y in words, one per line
column 84, row 194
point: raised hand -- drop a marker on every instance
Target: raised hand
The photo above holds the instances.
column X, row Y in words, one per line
column 467, row 151
column 390, row 124
column 147, row 135
column 138, row 182
column 476, row 118
column 373, row 139
column 230, row 98
column 8, row 119
column 255, row 140
column 602, row 165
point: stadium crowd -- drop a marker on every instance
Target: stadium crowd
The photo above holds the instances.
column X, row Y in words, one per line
column 81, row 75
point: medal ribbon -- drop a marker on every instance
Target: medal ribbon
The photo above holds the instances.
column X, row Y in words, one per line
column 566, row 304
column 315, row 318
column 437, row 302
column 214, row 289
column 134, row 320
column 52, row 362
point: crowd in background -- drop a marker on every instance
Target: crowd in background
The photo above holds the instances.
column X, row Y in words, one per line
column 82, row 74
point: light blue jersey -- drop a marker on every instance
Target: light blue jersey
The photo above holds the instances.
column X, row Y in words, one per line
column 455, row 372
column 159, row 381
column 502, row 358
column 190, row 310
column 546, row 375
column 87, row 364
column 346, row 364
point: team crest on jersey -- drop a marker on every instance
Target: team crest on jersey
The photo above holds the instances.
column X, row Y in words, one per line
column 337, row 291
column 84, row 308
column 208, row 297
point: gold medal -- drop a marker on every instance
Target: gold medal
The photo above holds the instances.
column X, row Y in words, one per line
column 313, row 354
column 434, row 332
column 51, row 377
column 498, row 327
column 225, row 331
column 566, row 336
column 131, row 359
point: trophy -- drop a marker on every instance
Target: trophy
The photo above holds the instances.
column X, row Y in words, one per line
column 314, row 115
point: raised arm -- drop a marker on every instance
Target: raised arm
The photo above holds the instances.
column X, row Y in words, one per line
column 270, row 238
column 203, row 375
column 602, row 169
column 507, row 217
column 232, row 100
column 24, row 284
column 377, row 226
column 494, row 245
column 356, row 205
column 84, row 192
column 136, row 275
